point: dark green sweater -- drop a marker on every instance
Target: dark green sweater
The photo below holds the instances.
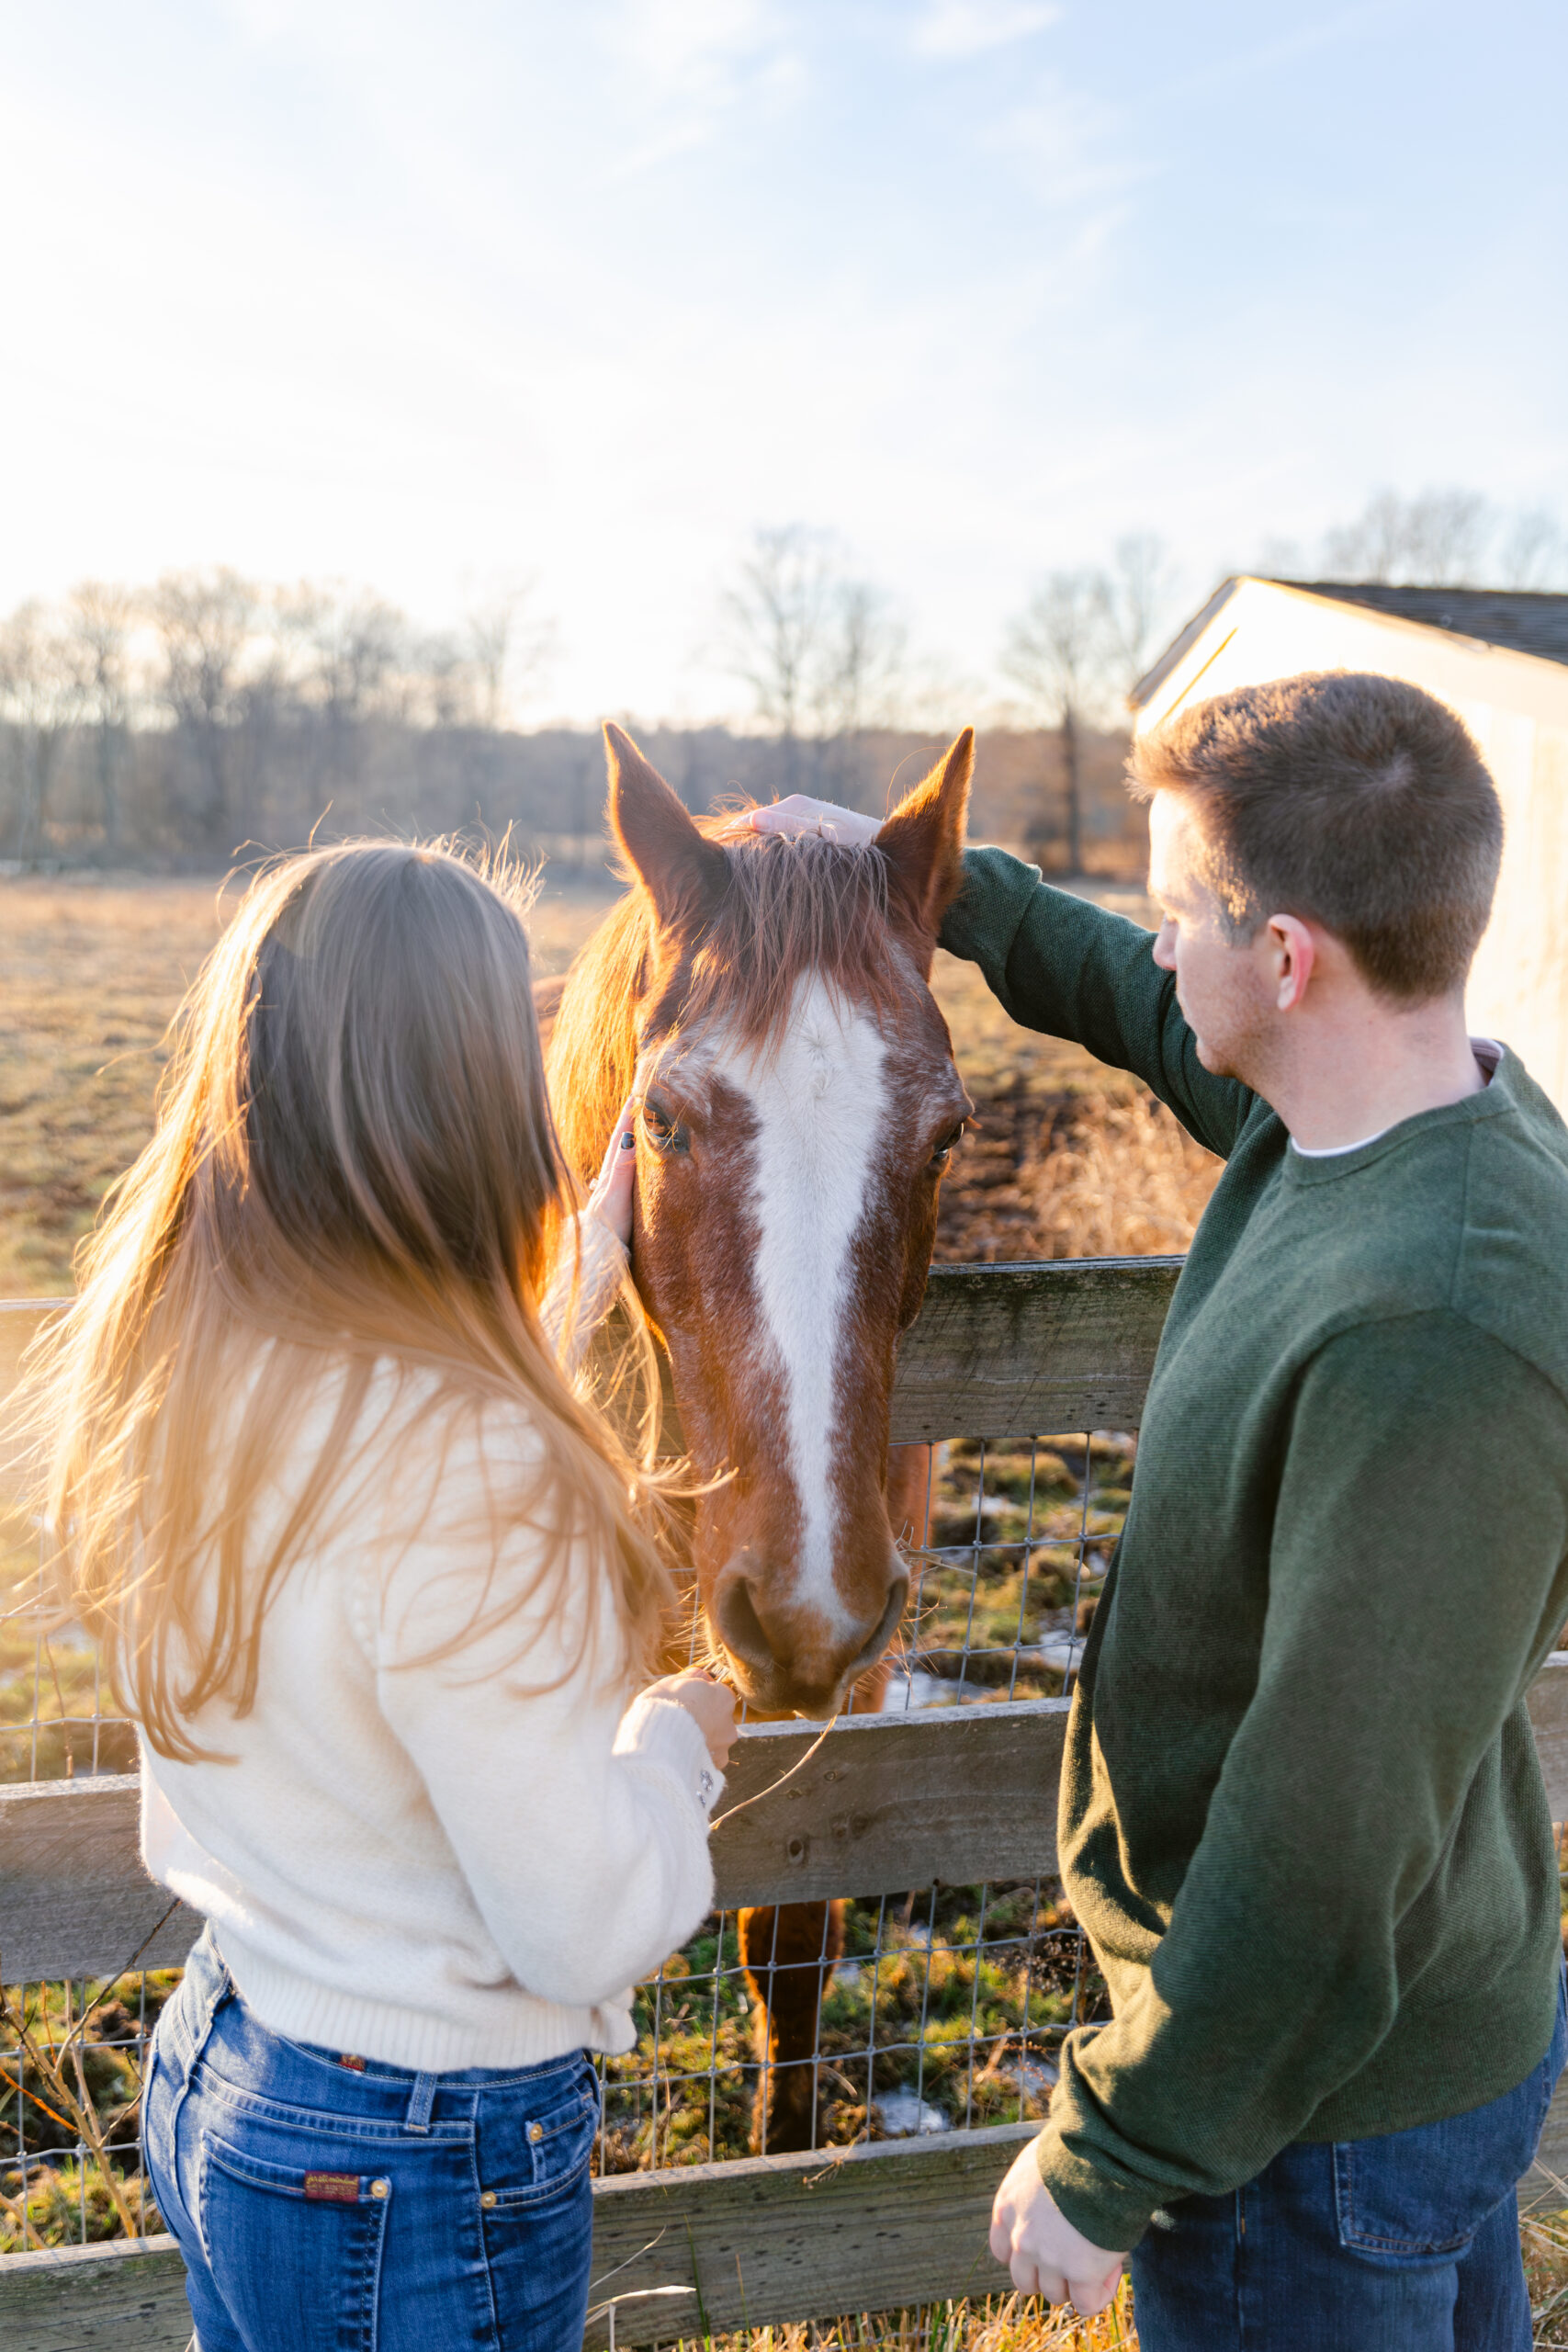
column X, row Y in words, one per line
column 1302, row 1818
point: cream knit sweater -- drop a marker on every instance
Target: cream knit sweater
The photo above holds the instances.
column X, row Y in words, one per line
column 436, row 1865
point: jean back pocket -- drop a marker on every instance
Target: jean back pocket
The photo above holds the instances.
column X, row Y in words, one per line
column 1421, row 2195
column 295, row 2250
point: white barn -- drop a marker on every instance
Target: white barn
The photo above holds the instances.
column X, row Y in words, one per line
column 1500, row 658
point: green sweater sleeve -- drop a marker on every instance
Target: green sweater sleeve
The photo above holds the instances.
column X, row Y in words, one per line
column 1417, row 1576
column 1070, row 969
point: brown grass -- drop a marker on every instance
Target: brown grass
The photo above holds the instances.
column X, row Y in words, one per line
column 1000, row 2323
column 1544, row 2241
column 90, row 973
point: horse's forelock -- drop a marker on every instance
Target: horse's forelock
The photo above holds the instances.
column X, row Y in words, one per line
column 791, row 907
column 794, row 908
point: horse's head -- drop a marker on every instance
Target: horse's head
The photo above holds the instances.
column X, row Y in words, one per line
column 769, row 999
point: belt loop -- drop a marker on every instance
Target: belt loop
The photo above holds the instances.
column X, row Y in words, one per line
column 422, row 2098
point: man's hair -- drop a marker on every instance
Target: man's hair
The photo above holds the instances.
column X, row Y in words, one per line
column 1354, row 800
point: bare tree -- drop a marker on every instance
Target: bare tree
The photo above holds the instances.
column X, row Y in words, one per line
column 862, row 676
column 821, row 650
column 1140, row 591
column 1438, row 540
column 342, row 653
column 345, row 647
column 41, row 699
column 445, row 683
column 1534, row 551
column 777, row 614
column 100, row 620
column 1061, row 649
column 510, row 646
column 206, row 621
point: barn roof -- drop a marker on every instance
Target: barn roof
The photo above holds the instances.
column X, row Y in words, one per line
column 1524, row 620
column 1527, row 620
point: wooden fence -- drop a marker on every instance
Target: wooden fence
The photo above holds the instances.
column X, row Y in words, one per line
column 887, row 1802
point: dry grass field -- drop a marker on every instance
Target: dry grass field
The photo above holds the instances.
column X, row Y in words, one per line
column 1000, row 2323
column 91, row 974
column 1065, row 1159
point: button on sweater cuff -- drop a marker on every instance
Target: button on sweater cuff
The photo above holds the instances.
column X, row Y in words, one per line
column 660, row 1731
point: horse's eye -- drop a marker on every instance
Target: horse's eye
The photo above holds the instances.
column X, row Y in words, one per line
column 662, row 1130
column 944, row 1149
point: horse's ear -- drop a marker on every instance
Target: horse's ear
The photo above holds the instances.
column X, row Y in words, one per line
column 923, row 839
column 683, row 875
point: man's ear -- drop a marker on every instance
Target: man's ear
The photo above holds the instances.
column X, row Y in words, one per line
column 1294, row 954
column 685, row 875
column 923, row 839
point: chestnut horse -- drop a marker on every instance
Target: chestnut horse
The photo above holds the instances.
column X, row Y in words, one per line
column 768, row 1003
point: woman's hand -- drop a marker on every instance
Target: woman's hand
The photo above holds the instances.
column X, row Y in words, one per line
column 615, row 1187
column 1045, row 2255
column 797, row 814
column 709, row 1704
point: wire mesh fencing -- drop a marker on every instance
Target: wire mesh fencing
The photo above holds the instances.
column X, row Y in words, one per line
column 941, row 2008
column 944, row 2008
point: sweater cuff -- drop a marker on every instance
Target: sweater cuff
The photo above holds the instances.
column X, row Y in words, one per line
column 598, row 1263
column 991, row 903
column 1099, row 2209
column 660, row 1731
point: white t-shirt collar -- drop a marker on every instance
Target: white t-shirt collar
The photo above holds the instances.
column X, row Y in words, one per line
column 1488, row 1054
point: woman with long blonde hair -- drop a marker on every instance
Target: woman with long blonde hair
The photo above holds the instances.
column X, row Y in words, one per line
column 378, row 1589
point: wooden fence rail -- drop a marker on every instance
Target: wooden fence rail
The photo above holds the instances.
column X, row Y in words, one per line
column 963, row 1795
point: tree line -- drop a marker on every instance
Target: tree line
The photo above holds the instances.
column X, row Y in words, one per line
column 179, row 722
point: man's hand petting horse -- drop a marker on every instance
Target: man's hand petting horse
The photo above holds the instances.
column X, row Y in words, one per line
column 798, row 814
column 1045, row 2255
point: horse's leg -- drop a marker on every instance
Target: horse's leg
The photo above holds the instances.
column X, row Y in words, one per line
column 912, row 1491
column 788, row 1950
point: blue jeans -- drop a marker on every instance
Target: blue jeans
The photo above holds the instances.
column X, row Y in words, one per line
column 1409, row 2243
column 321, row 2208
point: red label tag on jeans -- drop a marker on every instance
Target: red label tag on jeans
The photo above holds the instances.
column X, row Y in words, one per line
column 333, row 2187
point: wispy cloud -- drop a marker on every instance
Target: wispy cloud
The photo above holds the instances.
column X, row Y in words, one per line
column 952, row 29
column 694, row 61
column 1065, row 145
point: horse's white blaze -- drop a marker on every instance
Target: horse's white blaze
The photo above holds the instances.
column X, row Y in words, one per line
column 819, row 1098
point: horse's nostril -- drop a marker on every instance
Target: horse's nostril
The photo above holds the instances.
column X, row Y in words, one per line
column 740, row 1629
column 887, row 1625
column 797, row 1646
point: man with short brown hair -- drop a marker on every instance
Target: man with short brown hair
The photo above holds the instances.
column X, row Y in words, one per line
column 1359, row 796
column 1302, row 1818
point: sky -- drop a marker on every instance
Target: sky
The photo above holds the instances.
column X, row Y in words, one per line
column 433, row 295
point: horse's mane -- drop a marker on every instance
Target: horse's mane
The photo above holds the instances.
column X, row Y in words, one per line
column 789, row 907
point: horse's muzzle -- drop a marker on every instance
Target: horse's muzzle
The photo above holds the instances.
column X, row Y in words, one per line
column 787, row 1658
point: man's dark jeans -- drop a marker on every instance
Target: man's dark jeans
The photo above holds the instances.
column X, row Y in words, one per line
column 1406, row 2243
